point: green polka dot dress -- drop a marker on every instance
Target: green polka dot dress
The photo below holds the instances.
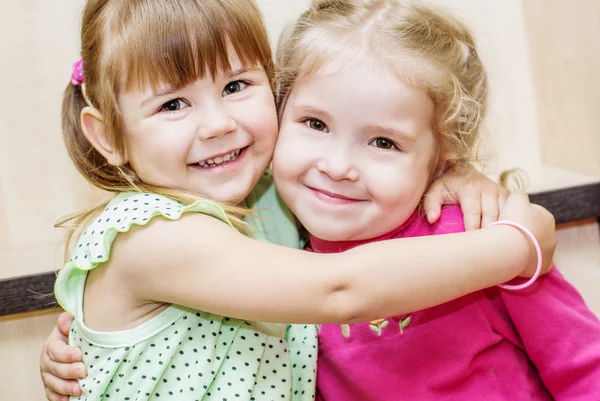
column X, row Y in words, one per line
column 184, row 354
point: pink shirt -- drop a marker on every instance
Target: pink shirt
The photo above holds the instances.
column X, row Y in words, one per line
column 541, row 343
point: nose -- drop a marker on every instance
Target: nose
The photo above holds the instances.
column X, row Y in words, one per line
column 338, row 165
column 215, row 121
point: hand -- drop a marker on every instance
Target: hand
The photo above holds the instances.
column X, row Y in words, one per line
column 60, row 364
column 540, row 222
column 480, row 198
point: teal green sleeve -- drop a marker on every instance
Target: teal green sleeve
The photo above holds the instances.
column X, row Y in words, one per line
column 274, row 222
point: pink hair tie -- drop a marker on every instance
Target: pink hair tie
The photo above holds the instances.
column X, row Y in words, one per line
column 536, row 245
column 77, row 74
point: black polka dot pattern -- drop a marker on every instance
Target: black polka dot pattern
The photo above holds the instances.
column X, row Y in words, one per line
column 192, row 355
column 185, row 361
column 122, row 213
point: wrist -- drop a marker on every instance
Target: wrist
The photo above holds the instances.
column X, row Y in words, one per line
column 532, row 264
column 515, row 248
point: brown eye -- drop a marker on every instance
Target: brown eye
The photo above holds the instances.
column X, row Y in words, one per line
column 317, row 125
column 383, row 143
column 174, row 105
column 233, row 87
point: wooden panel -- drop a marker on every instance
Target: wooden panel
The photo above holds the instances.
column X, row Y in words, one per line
column 27, row 294
column 21, row 341
column 39, row 41
column 4, row 233
column 571, row 204
column 565, row 58
column 578, row 258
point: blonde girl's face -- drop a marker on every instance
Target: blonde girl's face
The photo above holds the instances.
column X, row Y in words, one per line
column 356, row 150
column 213, row 138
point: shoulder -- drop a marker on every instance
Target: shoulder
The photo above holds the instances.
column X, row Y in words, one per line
column 141, row 231
column 128, row 210
column 450, row 221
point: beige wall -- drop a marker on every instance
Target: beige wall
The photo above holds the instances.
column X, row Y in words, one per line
column 37, row 183
column 21, row 340
column 39, row 42
column 567, row 83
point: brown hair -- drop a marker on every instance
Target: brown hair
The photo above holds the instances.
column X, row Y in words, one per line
column 134, row 44
column 439, row 51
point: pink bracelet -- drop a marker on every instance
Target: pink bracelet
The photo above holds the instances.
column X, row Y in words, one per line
column 536, row 244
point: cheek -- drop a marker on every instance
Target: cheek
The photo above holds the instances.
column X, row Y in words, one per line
column 160, row 144
column 260, row 118
column 397, row 184
column 291, row 158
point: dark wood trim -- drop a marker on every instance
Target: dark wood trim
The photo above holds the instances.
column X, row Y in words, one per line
column 571, row 204
column 27, row 293
column 32, row 293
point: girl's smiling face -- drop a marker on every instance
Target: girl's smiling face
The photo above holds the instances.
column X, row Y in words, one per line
column 356, row 150
column 214, row 138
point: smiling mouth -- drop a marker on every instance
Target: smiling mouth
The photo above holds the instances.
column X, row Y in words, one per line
column 331, row 197
column 220, row 160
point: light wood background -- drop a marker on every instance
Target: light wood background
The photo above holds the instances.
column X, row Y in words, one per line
column 542, row 56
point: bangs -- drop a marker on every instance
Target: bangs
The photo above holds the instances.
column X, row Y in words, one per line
column 178, row 42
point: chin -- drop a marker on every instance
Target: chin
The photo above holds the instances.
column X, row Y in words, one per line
column 331, row 233
column 232, row 198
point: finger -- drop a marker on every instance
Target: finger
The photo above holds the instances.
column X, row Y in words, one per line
column 542, row 209
column 65, row 320
column 502, row 197
column 65, row 371
column 433, row 207
column 432, row 202
column 489, row 208
column 518, row 196
column 471, row 208
column 60, row 351
column 64, row 387
column 52, row 396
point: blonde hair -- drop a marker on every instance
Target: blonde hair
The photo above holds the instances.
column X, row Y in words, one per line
column 440, row 50
column 135, row 44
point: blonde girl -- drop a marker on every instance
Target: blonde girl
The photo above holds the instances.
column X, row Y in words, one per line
column 376, row 97
column 174, row 113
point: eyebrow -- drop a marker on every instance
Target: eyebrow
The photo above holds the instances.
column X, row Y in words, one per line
column 393, row 131
column 169, row 91
column 244, row 70
column 163, row 92
column 311, row 110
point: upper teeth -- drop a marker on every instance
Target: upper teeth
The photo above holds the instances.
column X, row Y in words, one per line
column 220, row 159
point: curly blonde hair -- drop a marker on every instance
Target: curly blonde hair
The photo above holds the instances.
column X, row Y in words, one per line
column 430, row 50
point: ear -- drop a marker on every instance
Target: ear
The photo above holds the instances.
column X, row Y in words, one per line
column 94, row 130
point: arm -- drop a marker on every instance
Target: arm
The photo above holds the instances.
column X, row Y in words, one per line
column 480, row 198
column 560, row 335
column 181, row 262
column 459, row 282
